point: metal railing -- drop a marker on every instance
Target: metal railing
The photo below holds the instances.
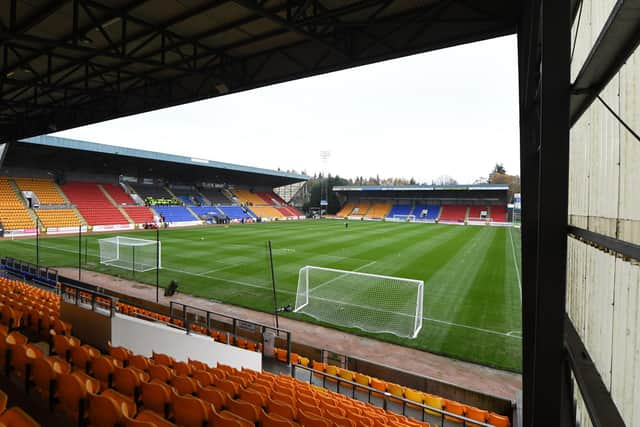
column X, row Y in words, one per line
column 89, row 300
column 44, row 275
column 444, row 416
column 232, row 326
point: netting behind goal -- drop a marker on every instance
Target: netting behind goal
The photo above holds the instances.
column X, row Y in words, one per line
column 370, row 302
column 130, row 253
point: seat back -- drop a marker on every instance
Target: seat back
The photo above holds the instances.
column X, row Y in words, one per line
column 190, row 411
column 104, row 412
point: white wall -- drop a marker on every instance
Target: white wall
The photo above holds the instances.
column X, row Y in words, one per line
column 603, row 289
column 143, row 337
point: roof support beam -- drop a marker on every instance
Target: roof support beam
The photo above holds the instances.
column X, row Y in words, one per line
column 617, row 41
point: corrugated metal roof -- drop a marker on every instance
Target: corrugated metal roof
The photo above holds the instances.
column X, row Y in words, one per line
column 74, row 144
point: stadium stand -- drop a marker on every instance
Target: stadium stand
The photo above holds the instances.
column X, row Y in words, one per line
column 175, row 213
column 188, row 196
column 475, row 211
column 44, row 189
column 118, row 194
column 151, row 190
column 454, row 213
column 13, row 213
column 58, row 218
column 92, row 204
column 400, row 210
column 234, row 212
column 361, row 209
column 426, row 212
column 271, row 198
column 206, row 210
column 215, row 196
column 378, row 210
column 266, row 212
column 139, row 214
column 346, row 210
column 246, row 197
column 498, row 213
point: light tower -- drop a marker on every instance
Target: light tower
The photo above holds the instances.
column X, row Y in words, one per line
column 324, row 183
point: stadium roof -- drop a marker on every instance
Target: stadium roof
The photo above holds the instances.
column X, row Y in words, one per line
column 420, row 187
column 73, row 144
column 70, row 63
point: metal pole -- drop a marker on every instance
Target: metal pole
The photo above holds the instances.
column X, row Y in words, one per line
column 80, row 252
column 158, row 267
column 133, row 261
column 86, row 252
column 273, row 284
column 37, row 241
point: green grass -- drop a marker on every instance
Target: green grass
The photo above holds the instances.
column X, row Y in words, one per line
column 471, row 295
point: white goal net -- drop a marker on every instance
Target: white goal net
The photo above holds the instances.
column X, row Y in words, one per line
column 370, row 302
column 130, row 253
column 403, row 218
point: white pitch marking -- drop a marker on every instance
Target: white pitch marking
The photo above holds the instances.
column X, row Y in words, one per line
column 515, row 263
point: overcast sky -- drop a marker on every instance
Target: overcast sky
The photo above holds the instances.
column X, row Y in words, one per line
column 450, row 112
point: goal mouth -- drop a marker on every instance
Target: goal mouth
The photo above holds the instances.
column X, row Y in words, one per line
column 369, row 302
column 130, row 253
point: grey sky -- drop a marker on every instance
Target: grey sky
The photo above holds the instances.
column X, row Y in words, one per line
column 450, row 112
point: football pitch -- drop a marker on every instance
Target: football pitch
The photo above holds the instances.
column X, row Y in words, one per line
column 472, row 296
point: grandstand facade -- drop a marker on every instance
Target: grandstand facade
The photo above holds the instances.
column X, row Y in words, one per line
column 57, row 185
column 449, row 204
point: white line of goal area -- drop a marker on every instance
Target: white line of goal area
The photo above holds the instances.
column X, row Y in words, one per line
column 515, row 263
column 254, row 285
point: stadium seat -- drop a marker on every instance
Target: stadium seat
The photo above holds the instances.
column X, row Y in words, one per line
column 244, row 409
column 274, row 420
column 454, row 408
column 126, row 381
column 156, row 396
column 498, row 420
column 283, row 409
column 103, row 368
column 104, row 412
column 184, row 385
column 162, row 359
column 190, row 411
column 16, row 417
column 150, row 419
column 215, row 396
column 72, row 395
column 477, row 414
column 433, row 402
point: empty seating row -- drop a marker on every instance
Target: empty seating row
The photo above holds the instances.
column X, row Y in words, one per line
column 174, row 213
column 246, row 197
column 378, row 210
column 266, row 211
column 498, row 213
column 118, row 194
column 361, row 209
column 455, row 213
column 93, row 204
column 44, row 189
column 346, row 210
column 426, row 212
column 13, row 213
column 139, row 214
column 155, row 191
column 14, row 416
column 399, row 210
column 58, row 218
column 215, row 196
column 235, row 212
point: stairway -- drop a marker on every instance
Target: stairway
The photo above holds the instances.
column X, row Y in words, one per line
column 113, row 202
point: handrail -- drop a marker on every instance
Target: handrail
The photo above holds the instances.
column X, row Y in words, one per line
column 235, row 323
column 47, row 275
column 76, row 295
column 386, row 396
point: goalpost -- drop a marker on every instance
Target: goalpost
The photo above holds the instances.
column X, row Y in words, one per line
column 130, row 253
column 403, row 218
column 371, row 302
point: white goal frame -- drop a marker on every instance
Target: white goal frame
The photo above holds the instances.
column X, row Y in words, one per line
column 303, row 301
column 112, row 255
column 403, row 218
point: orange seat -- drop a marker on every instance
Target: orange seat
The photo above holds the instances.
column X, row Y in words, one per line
column 3, row 401
column 184, row 384
column 256, row 397
column 190, row 411
column 149, row 419
column 72, row 395
column 273, row 420
column 126, row 381
column 162, row 359
column 455, row 408
column 104, row 412
column 477, row 414
column 244, row 409
column 312, row 420
column 16, row 417
column 498, row 420
column 215, row 396
column 283, row 409
column 156, row 397
column 182, row 368
column 103, row 368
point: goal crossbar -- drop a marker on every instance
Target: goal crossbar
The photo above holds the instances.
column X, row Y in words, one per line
column 130, row 253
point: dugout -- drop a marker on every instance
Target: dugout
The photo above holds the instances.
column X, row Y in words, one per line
column 65, row 65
